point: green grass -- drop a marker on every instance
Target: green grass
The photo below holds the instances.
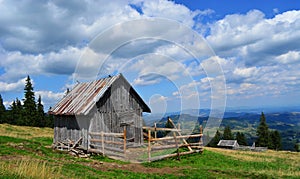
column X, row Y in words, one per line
column 16, row 150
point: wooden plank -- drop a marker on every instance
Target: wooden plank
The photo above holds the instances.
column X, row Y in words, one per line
column 163, row 147
column 197, row 147
column 102, row 138
column 149, row 145
column 107, row 149
column 127, row 116
column 124, row 136
column 107, row 134
column 178, row 137
column 173, row 146
column 107, row 141
column 160, row 129
column 176, row 144
column 106, row 153
column 140, row 113
column 192, row 144
column 170, row 155
column 77, row 143
column 155, row 133
column 179, row 133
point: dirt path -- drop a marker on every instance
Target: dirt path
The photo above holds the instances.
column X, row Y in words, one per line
column 135, row 167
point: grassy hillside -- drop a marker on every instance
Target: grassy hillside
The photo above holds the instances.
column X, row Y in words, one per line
column 25, row 152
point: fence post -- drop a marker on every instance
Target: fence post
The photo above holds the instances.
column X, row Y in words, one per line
column 102, row 141
column 201, row 132
column 149, row 145
column 201, row 139
column 176, row 144
column 124, row 136
column 179, row 133
column 155, row 133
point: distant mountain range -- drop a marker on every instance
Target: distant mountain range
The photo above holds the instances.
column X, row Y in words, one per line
column 285, row 120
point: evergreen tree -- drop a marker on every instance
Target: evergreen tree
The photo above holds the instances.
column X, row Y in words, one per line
column 262, row 132
column 2, row 111
column 30, row 112
column 241, row 139
column 227, row 134
column 275, row 140
column 49, row 121
column 297, row 147
column 215, row 140
column 40, row 113
column 18, row 113
column 12, row 113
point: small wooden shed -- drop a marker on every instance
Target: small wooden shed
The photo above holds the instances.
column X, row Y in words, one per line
column 230, row 144
column 104, row 105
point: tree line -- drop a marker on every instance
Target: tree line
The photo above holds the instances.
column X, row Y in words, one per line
column 30, row 113
column 265, row 136
column 228, row 135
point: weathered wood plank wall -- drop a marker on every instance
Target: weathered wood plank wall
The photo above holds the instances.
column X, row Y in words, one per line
column 118, row 105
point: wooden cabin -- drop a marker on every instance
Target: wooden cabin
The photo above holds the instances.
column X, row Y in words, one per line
column 105, row 105
column 229, row 144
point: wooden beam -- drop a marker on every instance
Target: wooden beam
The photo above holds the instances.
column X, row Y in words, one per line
column 155, row 133
column 179, row 133
column 107, row 153
column 178, row 137
column 124, row 136
column 107, row 134
column 102, row 138
column 106, row 141
column 163, row 147
column 108, row 148
column 149, row 145
column 160, row 129
column 176, row 144
column 170, row 155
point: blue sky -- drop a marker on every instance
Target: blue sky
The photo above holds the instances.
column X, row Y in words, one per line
column 256, row 43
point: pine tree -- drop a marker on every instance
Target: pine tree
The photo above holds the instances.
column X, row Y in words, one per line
column 40, row 113
column 227, row 134
column 275, row 140
column 241, row 139
column 30, row 111
column 215, row 140
column 18, row 113
column 262, row 132
column 297, row 147
column 2, row 111
column 12, row 113
column 49, row 121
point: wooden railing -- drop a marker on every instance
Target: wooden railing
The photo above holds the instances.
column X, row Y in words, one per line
column 176, row 141
column 108, row 143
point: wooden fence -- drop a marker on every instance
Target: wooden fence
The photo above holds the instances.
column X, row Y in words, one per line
column 176, row 141
column 110, row 144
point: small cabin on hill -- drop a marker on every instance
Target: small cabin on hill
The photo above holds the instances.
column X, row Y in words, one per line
column 229, row 144
column 105, row 105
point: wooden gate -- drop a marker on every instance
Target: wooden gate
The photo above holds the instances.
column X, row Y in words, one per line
column 157, row 146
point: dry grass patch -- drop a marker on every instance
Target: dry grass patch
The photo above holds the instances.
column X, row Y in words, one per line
column 243, row 155
column 30, row 169
column 24, row 132
column 280, row 173
column 290, row 158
